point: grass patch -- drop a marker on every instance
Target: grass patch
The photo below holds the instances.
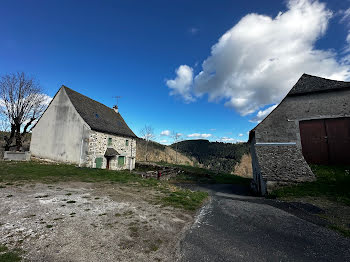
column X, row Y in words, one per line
column 3, row 248
column 341, row 230
column 51, row 173
column 332, row 182
column 185, row 199
column 7, row 255
column 205, row 176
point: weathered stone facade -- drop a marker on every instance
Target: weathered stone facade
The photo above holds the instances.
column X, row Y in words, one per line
column 276, row 148
column 78, row 130
column 98, row 144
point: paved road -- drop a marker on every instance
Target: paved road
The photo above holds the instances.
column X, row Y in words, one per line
column 237, row 227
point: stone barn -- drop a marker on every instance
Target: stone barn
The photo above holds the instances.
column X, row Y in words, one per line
column 310, row 125
column 76, row 129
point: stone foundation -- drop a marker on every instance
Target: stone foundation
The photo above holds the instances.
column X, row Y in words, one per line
column 17, row 156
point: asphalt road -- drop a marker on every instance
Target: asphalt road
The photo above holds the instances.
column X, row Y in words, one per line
column 236, row 227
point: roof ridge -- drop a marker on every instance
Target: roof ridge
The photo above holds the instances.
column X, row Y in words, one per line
column 98, row 116
column 66, row 87
column 323, row 78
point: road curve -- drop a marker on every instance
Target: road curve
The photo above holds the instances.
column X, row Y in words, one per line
column 233, row 226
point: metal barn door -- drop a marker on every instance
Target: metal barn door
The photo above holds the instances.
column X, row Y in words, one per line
column 326, row 141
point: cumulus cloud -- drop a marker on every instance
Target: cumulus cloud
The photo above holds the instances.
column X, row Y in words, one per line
column 346, row 20
column 165, row 133
column 240, row 135
column 257, row 61
column 262, row 114
column 198, row 135
column 226, row 139
column 181, row 85
column 163, row 141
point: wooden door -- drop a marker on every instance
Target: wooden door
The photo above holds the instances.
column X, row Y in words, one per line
column 326, row 141
column 99, row 162
column 338, row 136
column 314, row 141
column 108, row 160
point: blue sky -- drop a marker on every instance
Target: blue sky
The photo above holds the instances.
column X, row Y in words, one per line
column 205, row 69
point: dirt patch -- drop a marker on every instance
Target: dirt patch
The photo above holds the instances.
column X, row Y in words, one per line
column 244, row 167
column 76, row 221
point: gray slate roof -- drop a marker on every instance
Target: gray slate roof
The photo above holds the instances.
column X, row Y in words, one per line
column 98, row 116
column 111, row 152
column 309, row 84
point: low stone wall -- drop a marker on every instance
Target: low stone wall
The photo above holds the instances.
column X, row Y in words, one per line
column 17, row 156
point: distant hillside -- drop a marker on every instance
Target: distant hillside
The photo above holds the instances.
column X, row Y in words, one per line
column 218, row 156
column 161, row 153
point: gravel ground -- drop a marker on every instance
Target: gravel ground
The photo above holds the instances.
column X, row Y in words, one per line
column 89, row 222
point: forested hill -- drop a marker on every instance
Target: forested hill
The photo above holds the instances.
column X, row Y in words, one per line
column 214, row 155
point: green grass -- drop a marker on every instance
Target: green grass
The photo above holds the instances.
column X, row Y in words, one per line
column 50, row 173
column 185, row 199
column 342, row 230
column 206, row 176
column 333, row 183
column 7, row 255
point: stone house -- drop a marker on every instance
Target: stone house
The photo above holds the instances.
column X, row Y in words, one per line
column 76, row 129
column 310, row 125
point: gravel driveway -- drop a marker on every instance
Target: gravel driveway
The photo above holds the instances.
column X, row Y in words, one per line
column 75, row 221
column 237, row 227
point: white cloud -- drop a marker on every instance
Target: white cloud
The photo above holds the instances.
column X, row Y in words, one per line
column 258, row 60
column 181, row 85
column 165, row 133
column 227, row 139
column 346, row 20
column 193, row 30
column 240, row 135
column 198, row 135
column 262, row 114
column 163, row 141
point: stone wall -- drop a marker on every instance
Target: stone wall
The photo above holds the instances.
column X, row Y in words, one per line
column 61, row 133
column 98, row 144
column 283, row 124
column 276, row 165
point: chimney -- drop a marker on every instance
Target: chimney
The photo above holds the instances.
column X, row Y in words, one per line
column 116, row 109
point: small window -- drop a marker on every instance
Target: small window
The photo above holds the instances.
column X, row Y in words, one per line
column 109, row 141
column 126, row 142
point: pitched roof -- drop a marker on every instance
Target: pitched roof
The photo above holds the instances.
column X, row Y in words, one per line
column 98, row 116
column 111, row 152
column 310, row 84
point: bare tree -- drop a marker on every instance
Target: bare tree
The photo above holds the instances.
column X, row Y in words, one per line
column 147, row 134
column 4, row 125
column 21, row 103
column 176, row 138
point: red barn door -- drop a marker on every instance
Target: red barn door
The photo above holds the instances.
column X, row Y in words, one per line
column 338, row 133
column 326, row 141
